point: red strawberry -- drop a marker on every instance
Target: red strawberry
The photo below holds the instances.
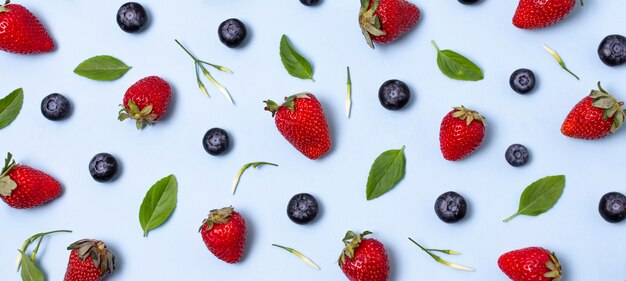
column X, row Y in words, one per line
column 595, row 116
column 23, row 187
column 462, row 131
column 90, row 260
column 224, row 233
column 530, row 264
column 21, row 32
column 146, row 101
column 300, row 119
column 384, row 21
column 364, row 259
column 532, row 14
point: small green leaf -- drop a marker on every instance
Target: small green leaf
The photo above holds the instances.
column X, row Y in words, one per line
column 386, row 172
column 158, row 204
column 10, row 107
column 456, row 66
column 540, row 196
column 243, row 169
column 30, row 272
column 294, row 63
column 102, row 68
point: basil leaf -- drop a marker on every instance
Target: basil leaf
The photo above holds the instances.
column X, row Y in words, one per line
column 29, row 271
column 294, row 63
column 540, row 196
column 10, row 107
column 457, row 66
column 386, row 172
column 158, row 204
column 102, row 68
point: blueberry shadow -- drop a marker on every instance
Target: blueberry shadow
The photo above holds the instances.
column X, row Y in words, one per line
column 247, row 39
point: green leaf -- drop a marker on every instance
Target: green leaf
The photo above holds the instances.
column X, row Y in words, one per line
column 386, row 172
column 540, row 196
column 457, row 66
column 243, row 169
column 294, row 63
column 102, row 68
column 30, row 272
column 158, row 204
column 10, row 107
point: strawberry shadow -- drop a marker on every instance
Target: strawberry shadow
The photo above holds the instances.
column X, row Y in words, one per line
column 251, row 240
column 329, row 112
column 393, row 263
column 119, row 262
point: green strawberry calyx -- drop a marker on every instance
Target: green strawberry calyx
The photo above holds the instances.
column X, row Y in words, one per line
column 352, row 242
column 218, row 216
column 610, row 106
column 7, row 185
column 369, row 21
column 3, row 8
column 142, row 116
column 98, row 252
column 289, row 103
column 468, row 115
column 555, row 268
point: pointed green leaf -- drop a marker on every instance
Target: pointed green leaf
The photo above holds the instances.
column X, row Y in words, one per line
column 386, row 172
column 540, row 196
column 456, row 66
column 10, row 107
column 102, row 68
column 294, row 63
column 30, row 272
column 604, row 103
column 158, row 203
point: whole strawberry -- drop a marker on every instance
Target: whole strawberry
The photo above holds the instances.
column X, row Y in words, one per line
column 364, row 259
column 530, row 264
column 224, row 233
column 21, row 32
column 384, row 21
column 23, row 187
column 531, row 14
column 146, row 101
column 300, row 119
column 462, row 131
column 595, row 116
column 90, row 260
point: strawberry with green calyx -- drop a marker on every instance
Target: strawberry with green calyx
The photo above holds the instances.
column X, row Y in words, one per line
column 462, row 131
column 90, row 260
column 224, row 234
column 530, row 264
column 23, row 187
column 595, row 116
column 146, row 101
column 384, row 21
column 364, row 259
column 301, row 120
column 21, row 32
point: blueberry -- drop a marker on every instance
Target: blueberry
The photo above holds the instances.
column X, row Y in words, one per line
column 232, row 32
column 215, row 141
column 450, row 207
column 55, row 107
column 468, row 2
column 132, row 17
column 613, row 207
column 394, row 94
column 309, row 2
column 103, row 167
column 612, row 50
column 302, row 208
column 516, row 155
column 522, row 81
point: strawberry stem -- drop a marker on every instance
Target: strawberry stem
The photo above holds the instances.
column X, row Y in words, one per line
column 582, row 3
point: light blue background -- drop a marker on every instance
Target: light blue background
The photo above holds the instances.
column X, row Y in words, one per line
column 329, row 36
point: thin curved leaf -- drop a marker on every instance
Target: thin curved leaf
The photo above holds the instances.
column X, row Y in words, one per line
column 29, row 271
column 456, row 66
column 158, row 203
column 10, row 107
column 102, row 68
column 294, row 63
column 388, row 169
column 540, row 196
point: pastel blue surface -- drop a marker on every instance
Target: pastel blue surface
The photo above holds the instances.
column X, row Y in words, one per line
column 329, row 36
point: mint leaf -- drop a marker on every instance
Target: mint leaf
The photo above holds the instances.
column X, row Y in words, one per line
column 10, row 107
column 294, row 63
column 102, row 68
column 386, row 172
column 540, row 196
column 456, row 66
column 30, row 272
column 158, row 203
